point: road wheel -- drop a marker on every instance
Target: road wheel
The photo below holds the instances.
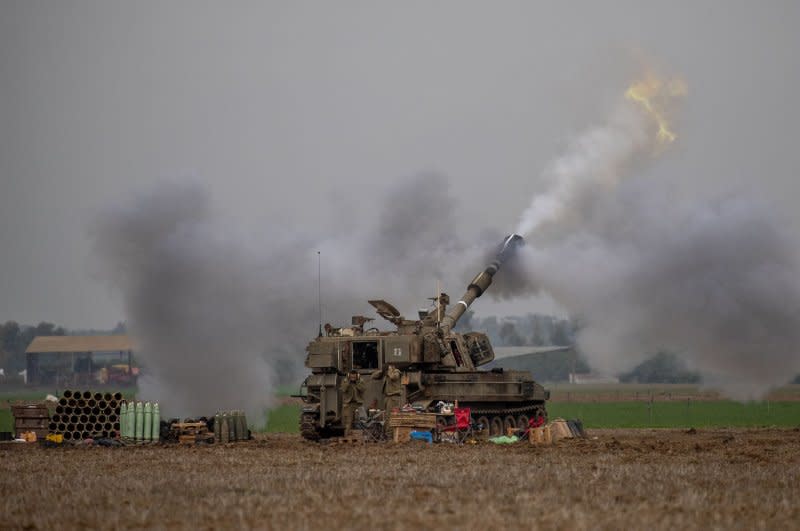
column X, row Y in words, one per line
column 522, row 422
column 496, row 426
column 309, row 428
column 483, row 421
column 509, row 423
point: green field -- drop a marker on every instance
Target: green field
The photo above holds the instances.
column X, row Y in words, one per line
column 678, row 414
column 284, row 419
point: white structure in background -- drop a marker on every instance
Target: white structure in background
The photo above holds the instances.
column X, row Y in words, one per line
column 511, row 352
column 592, row 378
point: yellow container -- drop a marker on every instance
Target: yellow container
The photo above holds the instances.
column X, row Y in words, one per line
column 541, row 435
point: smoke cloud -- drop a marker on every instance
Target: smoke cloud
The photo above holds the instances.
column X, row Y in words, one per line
column 715, row 280
column 216, row 312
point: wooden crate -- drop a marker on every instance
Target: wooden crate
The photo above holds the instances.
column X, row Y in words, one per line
column 402, row 434
column 31, row 416
column 540, row 435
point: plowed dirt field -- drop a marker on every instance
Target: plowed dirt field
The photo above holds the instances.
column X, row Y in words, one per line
column 616, row 479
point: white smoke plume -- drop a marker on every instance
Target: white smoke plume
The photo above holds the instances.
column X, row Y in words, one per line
column 714, row 280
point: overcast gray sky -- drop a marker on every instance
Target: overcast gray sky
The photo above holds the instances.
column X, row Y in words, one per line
column 289, row 111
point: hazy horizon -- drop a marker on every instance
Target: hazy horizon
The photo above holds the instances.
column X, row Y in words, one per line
column 304, row 116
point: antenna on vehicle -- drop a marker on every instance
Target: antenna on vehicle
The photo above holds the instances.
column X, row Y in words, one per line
column 438, row 303
column 319, row 290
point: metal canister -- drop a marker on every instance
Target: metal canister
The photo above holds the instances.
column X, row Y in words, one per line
column 156, row 423
column 218, row 427
column 242, row 426
column 123, row 415
column 147, row 428
column 224, row 429
column 139, row 422
column 131, row 420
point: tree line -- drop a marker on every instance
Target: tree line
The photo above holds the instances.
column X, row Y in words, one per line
column 547, row 330
column 523, row 330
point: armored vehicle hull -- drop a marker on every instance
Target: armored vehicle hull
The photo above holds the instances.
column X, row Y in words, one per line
column 422, row 362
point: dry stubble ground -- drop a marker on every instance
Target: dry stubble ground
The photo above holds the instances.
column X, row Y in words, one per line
column 642, row 479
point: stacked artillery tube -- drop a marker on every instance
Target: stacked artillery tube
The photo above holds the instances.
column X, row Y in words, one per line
column 140, row 421
column 83, row 415
column 230, row 426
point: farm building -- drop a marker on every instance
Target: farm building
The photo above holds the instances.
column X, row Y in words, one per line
column 79, row 360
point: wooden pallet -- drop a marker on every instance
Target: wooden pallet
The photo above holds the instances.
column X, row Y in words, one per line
column 422, row 421
column 191, row 432
column 189, row 427
column 207, row 437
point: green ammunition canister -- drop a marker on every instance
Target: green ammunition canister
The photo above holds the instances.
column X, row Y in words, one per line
column 232, row 426
column 123, row 419
column 147, row 429
column 139, row 422
column 131, row 420
column 156, row 423
column 224, row 429
column 242, row 426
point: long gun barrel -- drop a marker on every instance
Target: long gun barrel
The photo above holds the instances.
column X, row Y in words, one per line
column 480, row 282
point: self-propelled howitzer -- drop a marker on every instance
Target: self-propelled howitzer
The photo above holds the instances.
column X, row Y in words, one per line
column 436, row 364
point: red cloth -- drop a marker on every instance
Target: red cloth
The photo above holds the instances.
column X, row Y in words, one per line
column 535, row 422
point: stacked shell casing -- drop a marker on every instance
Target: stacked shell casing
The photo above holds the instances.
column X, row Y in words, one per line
column 140, row 421
column 230, row 426
column 83, row 415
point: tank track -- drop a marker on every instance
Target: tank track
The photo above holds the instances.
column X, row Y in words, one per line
column 309, row 428
column 500, row 420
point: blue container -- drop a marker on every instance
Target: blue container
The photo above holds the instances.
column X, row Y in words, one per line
column 422, row 436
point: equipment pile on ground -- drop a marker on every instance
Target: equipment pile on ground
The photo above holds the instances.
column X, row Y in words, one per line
column 190, row 432
column 403, row 423
column 224, row 427
column 550, row 433
column 83, row 415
